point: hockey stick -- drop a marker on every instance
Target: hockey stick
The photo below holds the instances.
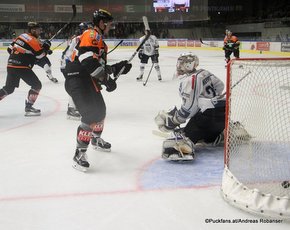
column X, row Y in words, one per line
column 66, row 25
column 115, row 47
column 146, row 24
column 59, row 45
column 234, row 85
column 203, row 42
column 148, row 75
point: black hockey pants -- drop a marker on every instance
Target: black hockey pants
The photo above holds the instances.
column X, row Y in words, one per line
column 87, row 98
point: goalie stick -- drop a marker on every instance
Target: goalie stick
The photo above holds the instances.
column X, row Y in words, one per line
column 171, row 134
column 146, row 25
column 66, row 25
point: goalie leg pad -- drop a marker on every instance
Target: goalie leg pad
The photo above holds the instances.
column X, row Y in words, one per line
column 178, row 149
column 239, row 131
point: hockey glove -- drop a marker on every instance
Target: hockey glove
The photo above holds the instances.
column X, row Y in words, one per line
column 9, row 50
column 140, row 54
column 115, row 69
column 170, row 124
column 46, row 45
column 110, row 84
column 236, row 45
column 156, row 53
column 49, row 52
column 165, row 121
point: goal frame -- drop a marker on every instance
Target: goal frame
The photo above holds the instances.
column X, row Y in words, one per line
column 232, row 190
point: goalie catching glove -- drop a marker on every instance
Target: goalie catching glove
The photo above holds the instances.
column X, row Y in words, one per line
column 167, row 121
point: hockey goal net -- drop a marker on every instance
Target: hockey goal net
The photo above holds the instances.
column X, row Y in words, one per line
column 257, row 136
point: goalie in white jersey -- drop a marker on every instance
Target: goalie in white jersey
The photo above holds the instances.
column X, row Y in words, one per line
column 150, row 49
column 201, row 106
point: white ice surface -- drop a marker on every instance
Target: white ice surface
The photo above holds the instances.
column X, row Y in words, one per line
column 130, row 188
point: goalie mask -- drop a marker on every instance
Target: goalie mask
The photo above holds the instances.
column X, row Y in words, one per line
column 186, row 63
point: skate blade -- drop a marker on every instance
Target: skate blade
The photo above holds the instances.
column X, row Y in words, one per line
column 79, row 168
column 69, row 117
column 101, row 149
column 27, row 114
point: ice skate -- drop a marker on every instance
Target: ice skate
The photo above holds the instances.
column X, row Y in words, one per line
column 80, row 161
column 73, row 114
column 30, row 111
column 53, row 79
column 159, row 78
column 140, row 78
column 101, row 145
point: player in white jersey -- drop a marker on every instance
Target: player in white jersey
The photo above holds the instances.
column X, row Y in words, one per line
column 68, row 55
column 150, row 49
column 201, row 106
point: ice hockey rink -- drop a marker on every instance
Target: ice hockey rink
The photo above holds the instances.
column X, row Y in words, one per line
column 129, row 188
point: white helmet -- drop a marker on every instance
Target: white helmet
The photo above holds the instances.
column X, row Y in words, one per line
column 186, row 63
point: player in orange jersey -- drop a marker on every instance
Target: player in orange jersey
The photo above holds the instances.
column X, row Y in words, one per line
column 25, row 51
column 43, row 62
column 68, row 55
column 85, row 77
column 231, row 45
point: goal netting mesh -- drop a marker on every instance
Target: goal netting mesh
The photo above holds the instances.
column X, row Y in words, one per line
column 257, row 136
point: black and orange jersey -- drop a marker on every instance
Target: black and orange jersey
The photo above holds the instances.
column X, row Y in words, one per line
column 231, row 39
column 92, row 52
column 25, row 50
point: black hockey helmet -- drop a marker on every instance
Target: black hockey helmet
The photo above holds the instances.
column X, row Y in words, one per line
column 101, row 14
column 32, row 25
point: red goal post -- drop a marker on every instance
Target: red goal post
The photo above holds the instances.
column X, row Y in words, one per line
column 256, row 176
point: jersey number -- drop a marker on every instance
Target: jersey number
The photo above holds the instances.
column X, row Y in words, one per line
column 210, row 90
